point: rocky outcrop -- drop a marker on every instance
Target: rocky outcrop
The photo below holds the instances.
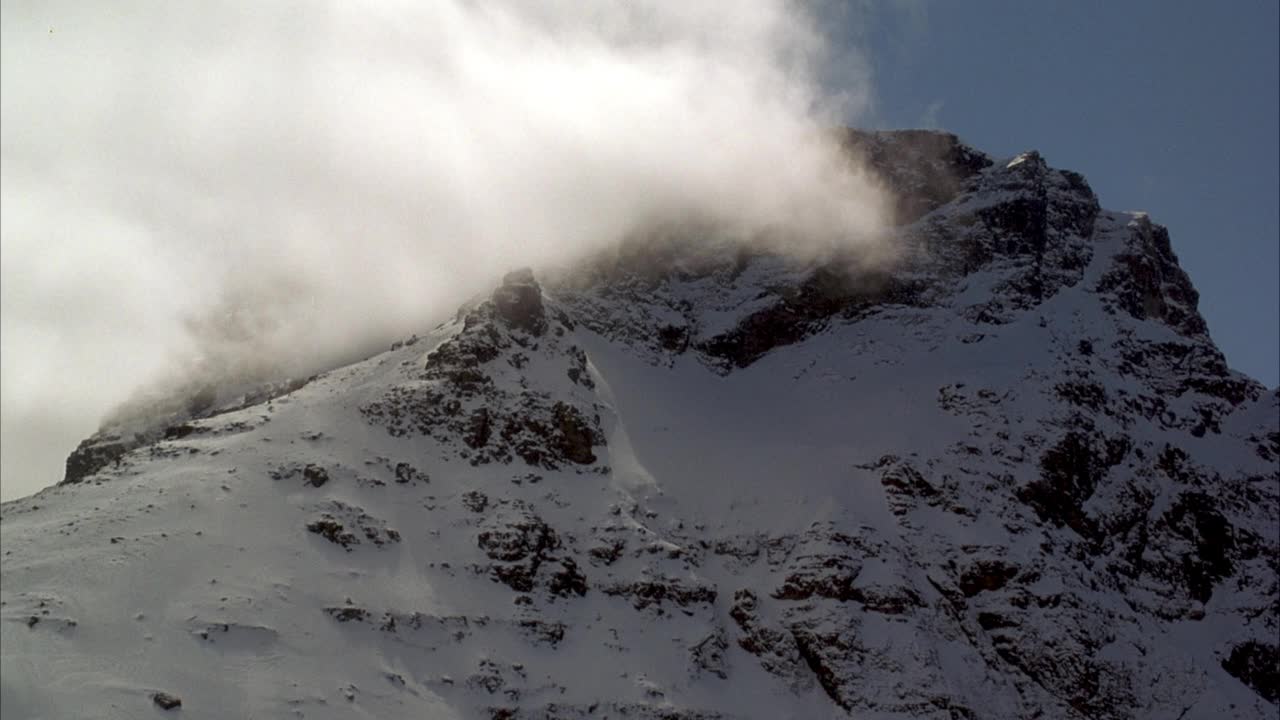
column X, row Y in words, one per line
column 923, row 169
column 94, row 454
column 518, row 303
column 170, row 418
column 1256, row 664
column 165, row 701
column 459, row 392
column 348, row 526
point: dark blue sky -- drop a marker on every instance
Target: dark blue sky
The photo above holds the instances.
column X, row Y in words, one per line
column 1168, row 107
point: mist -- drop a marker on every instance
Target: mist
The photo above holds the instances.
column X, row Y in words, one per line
column 197, row 192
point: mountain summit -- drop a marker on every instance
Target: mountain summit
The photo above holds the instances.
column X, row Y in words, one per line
column 1006, row 474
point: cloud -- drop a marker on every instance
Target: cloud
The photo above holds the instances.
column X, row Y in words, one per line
column 252, row 188
column 929, row 118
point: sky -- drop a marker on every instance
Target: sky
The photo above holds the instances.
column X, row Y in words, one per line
column 231, row 190
column 1167, row 106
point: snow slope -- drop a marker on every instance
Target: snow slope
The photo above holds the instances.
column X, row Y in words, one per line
column 1013, row 478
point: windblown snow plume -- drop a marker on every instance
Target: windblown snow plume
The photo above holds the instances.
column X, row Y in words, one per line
column 232, row 189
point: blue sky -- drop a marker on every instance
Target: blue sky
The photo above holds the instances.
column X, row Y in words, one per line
column 1167, row 107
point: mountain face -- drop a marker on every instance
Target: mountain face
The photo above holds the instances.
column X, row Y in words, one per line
column 1008, row 475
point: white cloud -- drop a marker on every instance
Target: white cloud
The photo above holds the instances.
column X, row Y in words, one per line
column 229, row 185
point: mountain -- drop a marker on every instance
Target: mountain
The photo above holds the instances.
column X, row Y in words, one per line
column 1006, row 475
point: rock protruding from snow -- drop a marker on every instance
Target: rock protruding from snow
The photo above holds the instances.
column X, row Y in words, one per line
column 924, row 169
column 518, row 302
column 165, row 701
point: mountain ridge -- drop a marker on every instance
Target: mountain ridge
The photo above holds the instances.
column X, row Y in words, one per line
column 1011, row 476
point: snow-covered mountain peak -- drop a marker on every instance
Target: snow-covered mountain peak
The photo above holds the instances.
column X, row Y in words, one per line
column 1005, row 475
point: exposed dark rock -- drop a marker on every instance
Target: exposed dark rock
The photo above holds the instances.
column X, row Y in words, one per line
column 1069, row 473
column 574, row 437
column 775, row 648
column 995, row 621
column 829, row 576
column 333, row 531
column 674, row 338
column 407, row 474
column 926, row 169
column 903, row 479
column 489, row 678
column 314, row 475
column 1267, row 446
column 815, row 651
column 480, row 430
column 1148, row 283
column 1024, row 222
column 341, row 522
column 165, row 701
column 526, row 537
column 93, row 455
column 517, row 577
column 708, row 655
column 608, row 552
column 1084, row 394
column 177, row 432
column 521, row 544
column 496, row 424
column 830, row 290
column 986, row 576
column 1195, row 518
column 568, row 580
column 475, row 501
column 658, row 591
column 518, row 302
column 1257, row 665
column 347, row 613
column 578, row 371
column 550, row 633
column 894, row 600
